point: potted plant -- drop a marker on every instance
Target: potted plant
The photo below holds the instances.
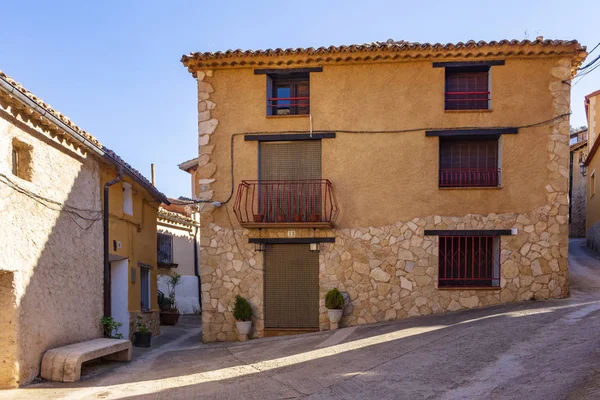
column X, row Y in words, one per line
column 169, row 314
column 109, row 326
column 334, row 301
column 242, row 312
column 258, row 217
column 297, row 217
column 142, row 337
column 280, row 217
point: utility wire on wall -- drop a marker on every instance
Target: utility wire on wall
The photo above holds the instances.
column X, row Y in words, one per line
column 75, row 213
column 190, row 202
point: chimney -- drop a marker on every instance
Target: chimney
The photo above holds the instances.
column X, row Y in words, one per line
column 153, row 176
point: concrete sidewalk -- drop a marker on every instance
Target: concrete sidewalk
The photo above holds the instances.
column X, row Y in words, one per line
column 534, row 350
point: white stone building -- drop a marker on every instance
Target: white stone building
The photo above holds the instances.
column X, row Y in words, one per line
column 178, row 252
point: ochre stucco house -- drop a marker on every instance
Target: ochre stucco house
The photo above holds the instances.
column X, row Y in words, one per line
column 51, row 224
column 178, row 252
column 431, row 178
column 132, row 247
column 577, row 184
column 592, row 169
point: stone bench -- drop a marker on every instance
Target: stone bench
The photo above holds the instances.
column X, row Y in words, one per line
column 63, row 364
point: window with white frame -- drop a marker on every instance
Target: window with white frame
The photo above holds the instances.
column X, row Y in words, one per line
column 145, row 287
column 127, row 198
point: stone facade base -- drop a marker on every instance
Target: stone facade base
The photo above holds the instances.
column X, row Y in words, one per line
column 150, row 318
column 391, row 272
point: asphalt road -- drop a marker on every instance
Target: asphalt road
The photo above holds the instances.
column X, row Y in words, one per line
column 534, row 350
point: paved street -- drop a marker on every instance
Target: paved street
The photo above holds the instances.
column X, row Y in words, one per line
column 535, row 350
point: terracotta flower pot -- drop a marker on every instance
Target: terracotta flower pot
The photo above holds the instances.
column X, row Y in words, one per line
column 258, row 217
column 170, row 317
column 280, row 218
column 334, row 318
column 297, row 217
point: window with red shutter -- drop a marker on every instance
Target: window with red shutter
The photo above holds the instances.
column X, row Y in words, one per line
column 288, row 94
column 469, row 163
column 467, row 88
column 469, row 261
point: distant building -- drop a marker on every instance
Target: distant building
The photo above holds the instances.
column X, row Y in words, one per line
column 592, row 169
column 178, row 236
column 577, row 184
column 53, row 287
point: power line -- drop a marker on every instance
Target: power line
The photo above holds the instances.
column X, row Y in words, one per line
column 72, row 212
column 535, row 124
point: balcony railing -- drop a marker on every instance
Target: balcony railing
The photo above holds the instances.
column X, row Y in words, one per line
column 289, row 105
column 469, row 177
column 467, row 100
column 300, row 203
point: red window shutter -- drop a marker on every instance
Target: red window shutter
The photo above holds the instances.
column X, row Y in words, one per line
column 467, row 90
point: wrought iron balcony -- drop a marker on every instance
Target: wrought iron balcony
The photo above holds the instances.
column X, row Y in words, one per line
column 286, row 203
column 469, row 177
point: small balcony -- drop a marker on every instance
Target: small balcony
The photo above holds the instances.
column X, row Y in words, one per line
column 289, row 105
column 286, row 204
column 469, row 177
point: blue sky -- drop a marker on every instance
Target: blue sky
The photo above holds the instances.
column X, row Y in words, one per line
column 113, row 66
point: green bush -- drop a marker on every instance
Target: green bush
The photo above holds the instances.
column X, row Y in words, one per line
column 241, row 309
column 141, row 327
column 334, row 300
column 110, row 325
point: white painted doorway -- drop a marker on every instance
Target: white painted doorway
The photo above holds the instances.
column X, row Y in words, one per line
column 119, row 294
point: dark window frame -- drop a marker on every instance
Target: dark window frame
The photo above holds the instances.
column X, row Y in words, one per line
column 297, row 102
column 164, row 244
column 15, row 161
column 466, row 262
column 469, row 161
column 464, row 89
column 145, row 287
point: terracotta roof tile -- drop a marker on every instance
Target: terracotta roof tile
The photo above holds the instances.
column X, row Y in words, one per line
column 49, row 109
column 112, row 156
column 177, row 208
column 402, row 49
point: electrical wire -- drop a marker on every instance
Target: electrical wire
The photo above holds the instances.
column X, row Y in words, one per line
column 535, row 124
column 595, row 47
column 580, row 77
column 72, row 212
column 589, row 64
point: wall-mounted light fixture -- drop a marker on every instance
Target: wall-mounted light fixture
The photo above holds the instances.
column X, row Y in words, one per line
column 315, row 247
column 583, row 169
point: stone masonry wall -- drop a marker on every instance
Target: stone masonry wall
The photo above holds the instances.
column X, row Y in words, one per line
column 54, row 256
column 390, row 272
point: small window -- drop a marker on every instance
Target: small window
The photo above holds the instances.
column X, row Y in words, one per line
column 165, row 248
column 21, row 160
column 469, row 261
column 288, row 94
column 469, row 162
column 467, row 88
column 592, row 184
column 145, row 287
column 127, row 198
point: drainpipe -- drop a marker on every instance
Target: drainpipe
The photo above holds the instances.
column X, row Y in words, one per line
column 197, row 267
column 107, row 300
